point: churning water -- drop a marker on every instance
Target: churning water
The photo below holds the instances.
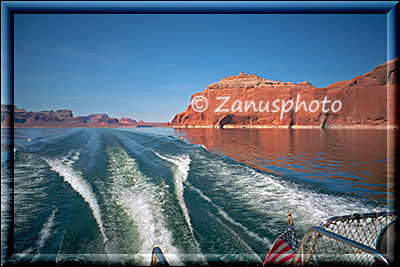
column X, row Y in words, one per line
column 111, row 195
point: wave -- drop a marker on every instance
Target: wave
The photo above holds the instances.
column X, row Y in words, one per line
column 54, row 135
column 92, row 147
column 36, row 139
column 200, row 145
column 274, row 197
column 141, row 201
column 29, row 183
column 182, row 164
column 46, row 230
column 44, row 234
column 63, row 167
column 228, row 218
column 24, row 255
column 233, row 233
column 181, row 174
column 309, row 207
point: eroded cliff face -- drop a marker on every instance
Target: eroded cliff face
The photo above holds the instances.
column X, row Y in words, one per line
column 246, row 100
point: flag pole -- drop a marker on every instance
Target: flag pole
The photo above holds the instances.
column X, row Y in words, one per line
column 290, row 218
column 287, row 242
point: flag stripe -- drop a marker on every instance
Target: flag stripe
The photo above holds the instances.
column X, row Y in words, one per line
column 283, row 249
column 277, row 249
column 281, row 254
column 286, row 260
column 277, row 245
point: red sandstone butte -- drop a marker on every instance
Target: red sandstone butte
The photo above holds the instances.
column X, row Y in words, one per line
column 127, row 121
column 368, row 100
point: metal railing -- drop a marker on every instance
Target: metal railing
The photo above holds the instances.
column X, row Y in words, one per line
column 346, row 239
column 157, row 256
column 318, row 232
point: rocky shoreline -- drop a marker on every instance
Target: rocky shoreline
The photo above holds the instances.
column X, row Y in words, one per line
column 382, row 127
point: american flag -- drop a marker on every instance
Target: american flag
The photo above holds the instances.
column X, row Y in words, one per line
column 283, row 249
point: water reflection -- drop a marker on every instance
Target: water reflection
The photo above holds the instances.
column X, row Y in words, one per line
column 347, row 160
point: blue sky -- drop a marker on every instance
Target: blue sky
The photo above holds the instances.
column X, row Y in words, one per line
column 147, row 66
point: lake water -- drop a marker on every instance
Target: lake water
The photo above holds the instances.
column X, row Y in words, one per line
column 202, row 195
column 356, row 161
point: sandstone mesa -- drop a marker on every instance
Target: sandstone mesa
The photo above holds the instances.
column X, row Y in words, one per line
column 65, row 118
column 369, row 100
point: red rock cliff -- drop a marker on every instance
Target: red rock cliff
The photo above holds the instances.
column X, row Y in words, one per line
column 369, row 100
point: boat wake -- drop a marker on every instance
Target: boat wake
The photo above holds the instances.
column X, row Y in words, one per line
column 181, row 173
column 273, row 197
column 45, row 233
column 140, row 190
column 47, row 230
column 63, row 167
column 143, row 203
column 265, row 241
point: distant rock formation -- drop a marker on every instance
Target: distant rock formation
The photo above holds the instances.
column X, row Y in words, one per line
column 99, row 119
column 128, row 121
column 368, row 100
column 59, row 118
column 65, row 118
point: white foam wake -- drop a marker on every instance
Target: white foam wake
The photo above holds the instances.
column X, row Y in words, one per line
column 29, row 183
column 182, row 164
column 46, row 230
column 143, row 203
column 267, row 242
column 233, row 233
column 273, row 197
column 64, row 168
column 19, row 256
column 310, row 207
column 181, row 174
column 204, row 147
column 44, row 234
